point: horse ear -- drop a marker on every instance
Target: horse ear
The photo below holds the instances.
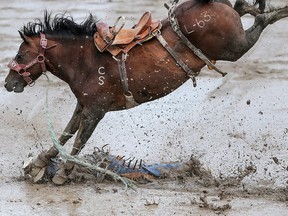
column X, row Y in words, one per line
column 25, row 38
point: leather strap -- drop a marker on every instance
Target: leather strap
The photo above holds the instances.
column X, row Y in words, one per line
column 176, row 27
column 21, row 69
column 123, row 73
column 190, row 73
column 130, row 101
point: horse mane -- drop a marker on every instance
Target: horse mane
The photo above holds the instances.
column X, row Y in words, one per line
column 62, row 25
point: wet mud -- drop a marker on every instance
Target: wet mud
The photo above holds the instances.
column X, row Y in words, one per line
column 236, row 127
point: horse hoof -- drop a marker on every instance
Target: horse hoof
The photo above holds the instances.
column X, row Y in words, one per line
column 33, row 171
column 39, row 176
column 27, row 166
column 59, row 179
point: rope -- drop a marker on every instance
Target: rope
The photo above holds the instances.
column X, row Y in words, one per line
column 67, row 157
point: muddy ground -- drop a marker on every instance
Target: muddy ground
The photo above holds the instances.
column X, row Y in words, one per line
column 227, row 123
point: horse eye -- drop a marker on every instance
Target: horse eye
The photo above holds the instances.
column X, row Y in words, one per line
column 18, row 57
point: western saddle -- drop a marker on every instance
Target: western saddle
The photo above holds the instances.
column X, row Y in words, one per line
column 119, row 40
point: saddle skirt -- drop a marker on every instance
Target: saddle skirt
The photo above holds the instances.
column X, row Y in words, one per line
column 119, row 40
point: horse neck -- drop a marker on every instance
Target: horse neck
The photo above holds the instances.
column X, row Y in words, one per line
column 67, row 58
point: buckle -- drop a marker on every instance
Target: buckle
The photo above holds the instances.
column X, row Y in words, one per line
column 43, row 41
column 108, row 40
column 12, row 64
column 122, row 18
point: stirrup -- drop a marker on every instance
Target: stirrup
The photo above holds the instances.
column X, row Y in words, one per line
column 114, row 32
column 130, row 100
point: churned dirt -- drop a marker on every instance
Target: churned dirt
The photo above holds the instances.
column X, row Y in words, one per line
column 235, row 126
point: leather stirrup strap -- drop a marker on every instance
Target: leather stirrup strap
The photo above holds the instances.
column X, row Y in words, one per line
column 123, row 73
column 130, row 101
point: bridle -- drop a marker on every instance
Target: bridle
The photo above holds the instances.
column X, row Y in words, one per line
column 21, row 69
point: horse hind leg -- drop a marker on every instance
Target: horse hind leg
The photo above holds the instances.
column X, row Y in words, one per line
column 261, row 4
column 242, row 7
column 265, row 19
column 274, row 16
column 261, row 22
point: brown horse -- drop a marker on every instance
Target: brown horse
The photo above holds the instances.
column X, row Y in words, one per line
column 67, row 50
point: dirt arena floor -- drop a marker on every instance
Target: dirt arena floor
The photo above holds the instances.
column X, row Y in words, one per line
column 229, row 124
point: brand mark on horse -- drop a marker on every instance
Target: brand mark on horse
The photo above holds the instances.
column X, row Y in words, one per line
column 205, row 17
column 101, row 77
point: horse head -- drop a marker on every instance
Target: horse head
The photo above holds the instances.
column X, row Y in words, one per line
column 28, row 64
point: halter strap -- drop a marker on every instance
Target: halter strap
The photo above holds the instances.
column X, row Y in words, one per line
column 21, row 69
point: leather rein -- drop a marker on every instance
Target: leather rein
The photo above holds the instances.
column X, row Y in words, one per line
column 21, row 69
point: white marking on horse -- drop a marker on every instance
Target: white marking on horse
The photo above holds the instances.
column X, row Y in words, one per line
column 101, row 78
column 200, row 22
column 207, row 17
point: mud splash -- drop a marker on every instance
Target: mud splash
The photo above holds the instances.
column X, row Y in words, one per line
column 229, row 138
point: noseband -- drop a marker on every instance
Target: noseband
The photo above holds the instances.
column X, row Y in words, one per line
column 21, row 69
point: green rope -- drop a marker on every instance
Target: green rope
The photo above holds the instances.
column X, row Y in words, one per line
column 67, row 157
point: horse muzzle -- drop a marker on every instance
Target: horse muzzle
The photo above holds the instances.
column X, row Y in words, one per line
column 14, row 85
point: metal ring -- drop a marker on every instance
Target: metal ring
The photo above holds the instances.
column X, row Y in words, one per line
column 39, row 58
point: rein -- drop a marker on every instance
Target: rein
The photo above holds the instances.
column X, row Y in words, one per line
column 21, row 69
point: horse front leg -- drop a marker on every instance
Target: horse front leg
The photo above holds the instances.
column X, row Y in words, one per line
column 89, row 120
column 43, row 159
column 69, row 131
